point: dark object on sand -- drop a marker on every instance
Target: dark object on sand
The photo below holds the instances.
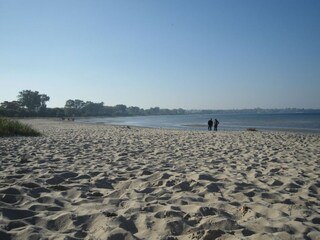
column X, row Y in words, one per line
column 216, row 123
column 252, row 129
column 210, row 123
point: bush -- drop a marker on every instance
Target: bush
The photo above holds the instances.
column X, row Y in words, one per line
column 14, row 128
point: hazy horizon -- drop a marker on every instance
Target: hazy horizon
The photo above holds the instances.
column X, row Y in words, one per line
column 171, row 54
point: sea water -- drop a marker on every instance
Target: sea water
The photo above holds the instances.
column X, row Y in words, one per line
column 301, row 122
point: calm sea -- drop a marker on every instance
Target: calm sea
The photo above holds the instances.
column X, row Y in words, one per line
column 228, row 122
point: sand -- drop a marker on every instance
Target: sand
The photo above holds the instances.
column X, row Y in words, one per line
column 113, row 182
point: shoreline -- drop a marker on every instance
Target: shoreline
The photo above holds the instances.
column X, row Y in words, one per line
column 90, row 181
column 195, row 127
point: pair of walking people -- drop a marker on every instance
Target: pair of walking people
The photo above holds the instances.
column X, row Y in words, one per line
column 214, row 123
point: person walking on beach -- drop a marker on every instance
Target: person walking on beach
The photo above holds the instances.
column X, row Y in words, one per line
column 216, row 123
column 210, row 123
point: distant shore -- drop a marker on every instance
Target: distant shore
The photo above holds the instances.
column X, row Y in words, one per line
column 94, row 181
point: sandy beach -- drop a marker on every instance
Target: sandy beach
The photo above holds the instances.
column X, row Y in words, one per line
column 82, row 181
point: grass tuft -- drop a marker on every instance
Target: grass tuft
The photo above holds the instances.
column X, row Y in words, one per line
column 10, row 127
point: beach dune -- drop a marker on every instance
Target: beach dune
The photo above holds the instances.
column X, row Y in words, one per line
column 81, row 181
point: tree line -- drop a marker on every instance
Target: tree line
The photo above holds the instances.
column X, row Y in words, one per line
column 33, row 104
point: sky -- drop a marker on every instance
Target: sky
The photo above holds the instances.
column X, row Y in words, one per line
column 208, row 54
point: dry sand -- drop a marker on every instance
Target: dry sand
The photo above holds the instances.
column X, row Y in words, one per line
column 113, row 182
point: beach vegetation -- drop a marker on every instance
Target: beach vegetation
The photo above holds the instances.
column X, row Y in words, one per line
column 9, row 127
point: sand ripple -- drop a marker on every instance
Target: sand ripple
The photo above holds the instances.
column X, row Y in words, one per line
column 107, row 182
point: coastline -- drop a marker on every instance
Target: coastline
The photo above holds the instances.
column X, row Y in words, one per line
column 229, row 122
column 94, row 181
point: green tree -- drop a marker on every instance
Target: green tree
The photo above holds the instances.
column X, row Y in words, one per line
column 69, row 108
column 134, row 111
column 43, row 99
column 108, row 111
column 69, row 104
column 11, row 109
column 78, row 104
column 120, row 110
column 92, row 109
column 32, row 100
column 153, row 111
column 74, row 107
column 14, row 105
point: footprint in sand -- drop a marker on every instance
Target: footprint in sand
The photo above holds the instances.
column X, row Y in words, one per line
column 14, row 214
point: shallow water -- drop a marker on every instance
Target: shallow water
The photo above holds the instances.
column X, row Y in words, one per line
column 276, row 122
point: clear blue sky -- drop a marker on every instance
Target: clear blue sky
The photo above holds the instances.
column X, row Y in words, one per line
column 169, row 53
